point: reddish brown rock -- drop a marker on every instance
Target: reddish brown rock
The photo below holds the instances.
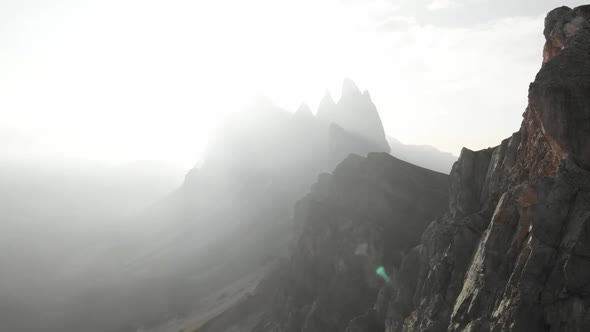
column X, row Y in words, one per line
column 560, row 25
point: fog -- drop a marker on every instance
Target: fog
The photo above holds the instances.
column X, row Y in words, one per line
column 149, row 247
column 64, row 230
column 89, row 247
column 93, row 238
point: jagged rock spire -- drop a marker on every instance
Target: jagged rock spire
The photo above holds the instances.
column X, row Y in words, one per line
column 350, row 88
column 304, row 110
column 327, row 108
column 357, row 113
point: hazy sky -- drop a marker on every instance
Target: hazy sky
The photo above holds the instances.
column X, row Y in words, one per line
column 125, row 80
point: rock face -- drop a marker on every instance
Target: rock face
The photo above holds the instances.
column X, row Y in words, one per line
column 564, row 85
column 503, row 257
column 511, row 252
column 364, row 215
column 560, row 25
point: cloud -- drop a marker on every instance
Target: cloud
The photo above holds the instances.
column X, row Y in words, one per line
column 428, row 70
column 432, row 80
column 396, row 23
column 442, row 4
column 376, row 10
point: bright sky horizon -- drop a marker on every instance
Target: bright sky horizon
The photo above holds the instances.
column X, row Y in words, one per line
column 124, row 80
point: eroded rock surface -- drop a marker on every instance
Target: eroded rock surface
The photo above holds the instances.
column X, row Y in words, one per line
column 504, row 258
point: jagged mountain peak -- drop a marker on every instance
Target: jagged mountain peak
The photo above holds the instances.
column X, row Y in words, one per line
column 326, row 108
column 356, row 113
column 304, row 119
column 327, row 100
column 304, row 110
column 350, row 88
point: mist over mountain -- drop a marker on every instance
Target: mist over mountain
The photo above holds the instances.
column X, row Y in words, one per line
column 509, row 253
column 220, row 229
column 316, row 219
column 53, row 188
column 61, row 225
column 355, row 112
column 234, row 212
column 422, row 155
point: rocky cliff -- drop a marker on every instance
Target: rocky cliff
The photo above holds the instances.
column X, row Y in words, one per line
column 363, row 216
column 509, row 255
column 511, row 252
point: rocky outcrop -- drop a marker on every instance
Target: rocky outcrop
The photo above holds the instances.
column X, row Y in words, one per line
column 364, row 215
column 423, row 300
column 559, row 96
column 504, row 257
column 560, row 25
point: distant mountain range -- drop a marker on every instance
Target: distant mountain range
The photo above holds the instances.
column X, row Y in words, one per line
column 426, row 156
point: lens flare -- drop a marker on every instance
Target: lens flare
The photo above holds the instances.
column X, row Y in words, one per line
column 381, row 272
